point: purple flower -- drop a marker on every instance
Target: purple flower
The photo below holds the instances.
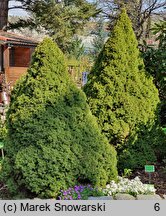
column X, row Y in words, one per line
column 76, row 188
column 78, row 193
column 79, row 196
column 81, row 188
column 89, row 187
column 64, row 193
column 75, row 192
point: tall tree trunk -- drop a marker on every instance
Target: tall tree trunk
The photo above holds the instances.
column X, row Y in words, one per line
column 3, row 14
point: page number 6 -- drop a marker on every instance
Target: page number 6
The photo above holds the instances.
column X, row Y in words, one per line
column 157, row 207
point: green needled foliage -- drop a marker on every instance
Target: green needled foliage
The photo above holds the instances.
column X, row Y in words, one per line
column 53, row 140
column 61, row 20
column 120, row 93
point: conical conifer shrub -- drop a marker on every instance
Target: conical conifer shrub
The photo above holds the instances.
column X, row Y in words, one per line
column 120, row 93
column 53, row 140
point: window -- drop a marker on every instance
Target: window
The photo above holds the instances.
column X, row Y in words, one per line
column 19, row 56
column 11, row 57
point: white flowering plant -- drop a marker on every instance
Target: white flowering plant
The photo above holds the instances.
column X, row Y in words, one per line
column 132, row 187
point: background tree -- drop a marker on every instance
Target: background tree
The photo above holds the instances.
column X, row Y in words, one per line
column 120, row 93
column 59, row 19
column 76, row 48
column 139, row 11
column 3, row 13
column 155, row 63
column 53, row 141
column 100, row 36
column 160, row 30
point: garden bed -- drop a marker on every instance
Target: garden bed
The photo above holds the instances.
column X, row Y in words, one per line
column 158, row 178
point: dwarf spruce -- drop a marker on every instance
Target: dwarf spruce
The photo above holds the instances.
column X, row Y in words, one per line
column 120, row 93
column 53, row 140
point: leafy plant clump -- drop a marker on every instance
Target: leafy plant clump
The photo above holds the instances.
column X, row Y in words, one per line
column 53, row 140
column 3, row 131
column 120, row 92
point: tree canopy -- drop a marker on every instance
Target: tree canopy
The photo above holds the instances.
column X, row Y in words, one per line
column 139, row 11
column 59, row 19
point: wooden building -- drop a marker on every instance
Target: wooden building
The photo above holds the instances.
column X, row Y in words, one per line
column 15, row 57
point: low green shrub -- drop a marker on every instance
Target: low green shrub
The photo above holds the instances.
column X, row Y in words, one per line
column 144, row 147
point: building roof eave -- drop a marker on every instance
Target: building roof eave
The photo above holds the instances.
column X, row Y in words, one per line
column 11, row 38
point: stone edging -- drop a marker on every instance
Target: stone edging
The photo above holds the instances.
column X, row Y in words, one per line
column 129, row 197
column 120, row 196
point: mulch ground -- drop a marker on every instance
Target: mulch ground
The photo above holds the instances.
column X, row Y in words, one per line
column 158, row 178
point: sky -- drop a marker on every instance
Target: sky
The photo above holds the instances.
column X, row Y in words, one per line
column 19, row 12
column 16, row 12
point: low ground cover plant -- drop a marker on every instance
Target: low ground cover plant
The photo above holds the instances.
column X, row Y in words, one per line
column 132, row 187
column 123, row 185
column 79, row 192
